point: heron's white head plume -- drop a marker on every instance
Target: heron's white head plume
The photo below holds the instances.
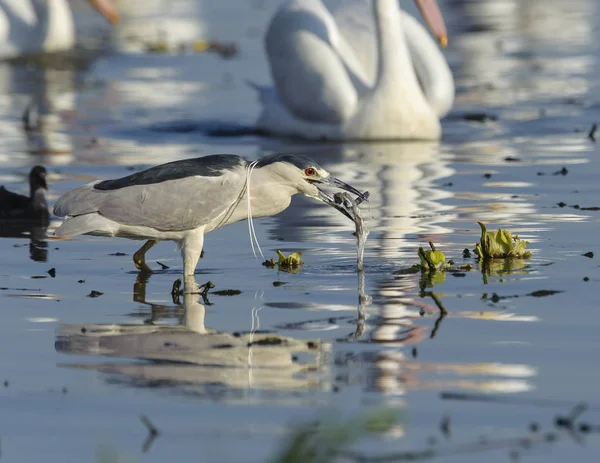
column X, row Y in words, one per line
column 251, row 230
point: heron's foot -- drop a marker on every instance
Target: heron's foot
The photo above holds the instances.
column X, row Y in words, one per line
column 139, row 260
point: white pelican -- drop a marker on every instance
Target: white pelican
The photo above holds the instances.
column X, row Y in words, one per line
column 38, row 26
column 328, row 87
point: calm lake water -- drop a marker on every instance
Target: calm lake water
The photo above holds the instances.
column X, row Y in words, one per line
column 79, row 372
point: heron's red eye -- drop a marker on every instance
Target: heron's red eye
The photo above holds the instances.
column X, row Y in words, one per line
column 310, row 172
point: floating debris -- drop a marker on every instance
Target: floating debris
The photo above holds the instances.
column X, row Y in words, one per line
column 163, row 266
column 269, row 263
column 94, row 293
column 445, row 426
column 227, row 292
column 544, row 293
column 153, row 433
column 589, row 255
column 416, row 268
column 592, row 132
column 52, row 272
column 564, row 171
column 479, row 117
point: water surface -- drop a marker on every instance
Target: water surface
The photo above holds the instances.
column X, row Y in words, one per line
column 80, row 371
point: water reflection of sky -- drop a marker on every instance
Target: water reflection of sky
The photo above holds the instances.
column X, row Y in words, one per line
column 533, row 70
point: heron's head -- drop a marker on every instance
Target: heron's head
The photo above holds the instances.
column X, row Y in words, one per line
column 305, row 176
column 37, row 178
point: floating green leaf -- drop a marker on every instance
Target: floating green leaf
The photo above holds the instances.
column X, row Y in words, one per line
column 294, row 260
column 431, row 260
column 500, row 244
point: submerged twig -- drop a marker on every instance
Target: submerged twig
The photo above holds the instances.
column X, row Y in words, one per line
column 438, row 303
column 153, row 433
column 592, row 132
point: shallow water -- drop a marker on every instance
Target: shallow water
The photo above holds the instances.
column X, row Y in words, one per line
column 80, row 371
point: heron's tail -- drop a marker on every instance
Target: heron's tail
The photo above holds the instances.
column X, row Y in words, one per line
column 86, row 224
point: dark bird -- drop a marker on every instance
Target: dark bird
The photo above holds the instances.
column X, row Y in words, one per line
column 32, row 207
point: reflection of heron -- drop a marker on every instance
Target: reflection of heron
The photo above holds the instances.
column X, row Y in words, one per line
column 38, row 26
column 183, row 200
column 188, row 354
column 326, row 85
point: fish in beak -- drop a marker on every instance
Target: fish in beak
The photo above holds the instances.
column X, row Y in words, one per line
column 108, row 10
column 435, row 21
column 335, row 201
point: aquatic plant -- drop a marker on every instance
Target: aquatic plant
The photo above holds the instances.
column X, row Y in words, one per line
column 294, row 260
column 323, row 442
column 500, row 244
column 431, row 259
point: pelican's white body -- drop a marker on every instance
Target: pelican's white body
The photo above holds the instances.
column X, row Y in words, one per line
column 337, row 80
column 35, row 26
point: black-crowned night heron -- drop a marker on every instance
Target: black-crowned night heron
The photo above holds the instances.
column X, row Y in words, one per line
column 34, row 206
column 181, row 201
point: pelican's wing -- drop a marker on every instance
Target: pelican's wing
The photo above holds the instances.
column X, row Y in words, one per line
column 311, row 76
column 17, row 27
column 181, row 195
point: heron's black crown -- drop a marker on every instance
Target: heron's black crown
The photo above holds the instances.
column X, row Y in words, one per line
column 299, row 160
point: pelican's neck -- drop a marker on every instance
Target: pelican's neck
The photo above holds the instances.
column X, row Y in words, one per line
column 55, row 24
column 394, row 66
column 431, row 67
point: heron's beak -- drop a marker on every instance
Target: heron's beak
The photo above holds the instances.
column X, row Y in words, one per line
column 434, row 19
column 329, row 200
column 336, row 183
column 107, row 9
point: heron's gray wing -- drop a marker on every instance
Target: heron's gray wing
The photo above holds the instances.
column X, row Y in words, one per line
column 171, row 205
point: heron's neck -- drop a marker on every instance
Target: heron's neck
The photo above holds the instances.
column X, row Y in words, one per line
column 270, row 193
column 394, row 65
